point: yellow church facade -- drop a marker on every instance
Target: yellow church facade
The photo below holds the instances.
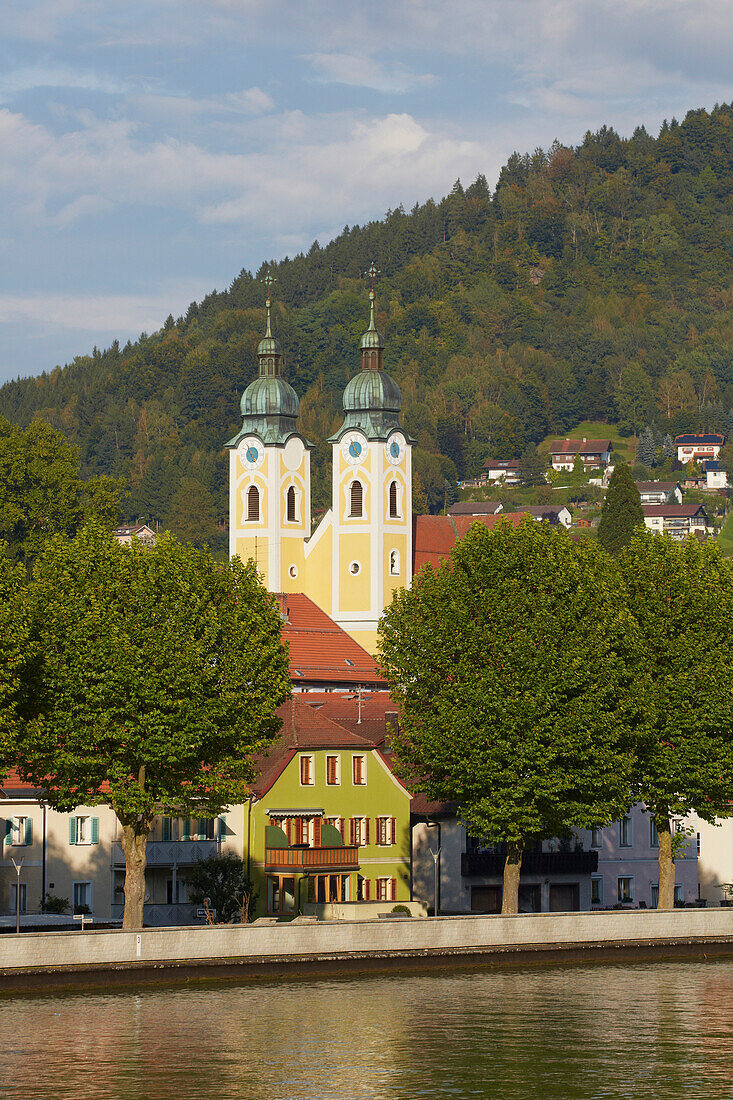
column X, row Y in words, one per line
column 361, row 551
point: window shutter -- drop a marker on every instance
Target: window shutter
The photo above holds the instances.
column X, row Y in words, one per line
column 72, row 830
column 29, row 830
column 317, row 832
column 165, row 829
column 352, row 832
column 393, row 889
column 366, row 830
column 2, row 831
column 187, row 828
column 95, row 830
column 9, row 830
column 222, row 828
column 289, row 829
column 394, row 830
column 367, row 889
column 340, row 826
column 201, row 828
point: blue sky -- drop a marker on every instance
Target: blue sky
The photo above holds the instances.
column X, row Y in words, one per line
column 151, row 150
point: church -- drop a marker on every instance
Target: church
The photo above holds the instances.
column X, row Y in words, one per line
column 362, row 550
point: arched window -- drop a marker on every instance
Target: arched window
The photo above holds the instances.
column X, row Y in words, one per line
column 357, row 500
column 292, row 517
column 393, row 513
column 394, row 563
column 253, row 503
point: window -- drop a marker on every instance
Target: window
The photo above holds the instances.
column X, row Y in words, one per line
column 14, row 897
column 355, row 568
column 82, row 897
column 679, row 896
column 84, row 830
column 166, row 829
column 386, row 889
column 176, row 893
column 596, row 891
column 653, row 834
column 280, row 894
column 253, row 504
column 205, row 828
column 626, row 890
column 306, row 771
column 292, row 513
column 386, row 828
column 359, row 831
column 394, row 563
column 356, row 500
column 325, row 888
column 20, row 831
column 333, row 770
column 358, row 765
column 697, row 838
column 596, row 838
column 625, row 832
column 363, row 889
column 393, row 513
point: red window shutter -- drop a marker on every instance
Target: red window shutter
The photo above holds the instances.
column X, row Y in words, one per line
column 394, row 830
column 367, row 889
column 340, row 826
column 289, row 829
column 303, row 770
column 366, row 830
column 352, row 832
column 393, row 894
column 316, row 832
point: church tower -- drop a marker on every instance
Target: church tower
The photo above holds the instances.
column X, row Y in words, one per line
column 269, row 475
column 372, row 496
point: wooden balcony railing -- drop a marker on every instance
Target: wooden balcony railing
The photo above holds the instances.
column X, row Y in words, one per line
column 311, row 859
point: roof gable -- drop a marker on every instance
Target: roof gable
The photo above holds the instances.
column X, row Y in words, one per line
column 320, row 650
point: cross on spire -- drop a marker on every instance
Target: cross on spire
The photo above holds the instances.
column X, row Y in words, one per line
column 268, row 281
column 371, row 273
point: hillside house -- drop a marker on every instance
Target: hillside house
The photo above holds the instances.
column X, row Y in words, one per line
column 659, row 492
column 501, row 469
column 594, row 453
column 698, row 448
column 476, row 508
column 553, row 514
column 677, row 520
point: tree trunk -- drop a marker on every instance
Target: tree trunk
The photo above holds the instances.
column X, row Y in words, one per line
column 666, row 863
column 512, row 868
column 134, row 846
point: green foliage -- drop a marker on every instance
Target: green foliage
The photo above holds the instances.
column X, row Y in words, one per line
column 532, row 466
column 622, row 513
column 509, row 662
column 594, row 283
column 401, row 909
column 15, row 655
column 158, row 677
column 41, row 491
column 223, row 880
column 52, row 903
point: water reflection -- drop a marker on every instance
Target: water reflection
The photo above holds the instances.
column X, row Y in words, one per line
column 661, row 1031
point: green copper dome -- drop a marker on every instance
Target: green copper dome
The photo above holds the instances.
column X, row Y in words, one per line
column 372, row 391
column 269, row 396
column 371, row 338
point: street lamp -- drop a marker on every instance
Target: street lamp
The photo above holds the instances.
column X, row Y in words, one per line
column 18, row 867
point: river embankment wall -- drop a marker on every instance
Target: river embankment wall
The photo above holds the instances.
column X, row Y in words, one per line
column 325, row 947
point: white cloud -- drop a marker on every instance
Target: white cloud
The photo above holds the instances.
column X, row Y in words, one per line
column 365, row 72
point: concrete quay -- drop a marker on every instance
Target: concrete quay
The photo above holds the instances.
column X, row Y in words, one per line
column 161, row 955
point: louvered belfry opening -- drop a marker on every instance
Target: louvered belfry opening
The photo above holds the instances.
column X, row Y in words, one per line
column 393, row 513
column 253, row 503
column 357, row 499
column 291, row 505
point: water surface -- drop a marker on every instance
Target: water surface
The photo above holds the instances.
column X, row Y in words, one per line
column 661, row 1030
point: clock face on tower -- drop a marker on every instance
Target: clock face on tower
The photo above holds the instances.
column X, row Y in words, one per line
column 354, row 448
column 395, row 448
column 252, row 452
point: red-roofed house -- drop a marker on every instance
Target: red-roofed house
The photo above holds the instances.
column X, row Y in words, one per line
column 434, row 537
column 322, row 656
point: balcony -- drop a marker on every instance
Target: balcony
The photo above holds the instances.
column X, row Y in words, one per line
column 345, row 858
column 166, row 853
column 533, row 863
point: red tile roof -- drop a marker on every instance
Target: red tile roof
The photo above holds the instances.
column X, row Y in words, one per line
column 377, row 712
column 303, row 728
column 320, row 650
column 434, row 537
column 673, row 511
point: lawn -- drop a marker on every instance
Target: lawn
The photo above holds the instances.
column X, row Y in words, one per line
column 725, row 538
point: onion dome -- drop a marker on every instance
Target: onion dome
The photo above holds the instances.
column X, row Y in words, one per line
column 269, row 404
column 372, row 340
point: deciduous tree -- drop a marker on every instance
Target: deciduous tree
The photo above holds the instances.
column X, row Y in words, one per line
column 161, row 672
column 681, row 597
column 509, row 663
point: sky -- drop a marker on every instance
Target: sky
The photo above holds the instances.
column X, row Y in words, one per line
column 151, row 150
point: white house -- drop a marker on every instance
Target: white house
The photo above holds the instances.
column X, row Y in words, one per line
column 716, row 479
column 698, row 448
column 660, row 492
column 677, row 520
column 552, row 513
column 593, row 453
column 501, row 469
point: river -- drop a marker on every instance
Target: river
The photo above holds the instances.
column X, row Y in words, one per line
column 662, row 1030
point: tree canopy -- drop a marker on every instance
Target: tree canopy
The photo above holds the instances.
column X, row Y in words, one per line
column 621, row 513
column 681, row 597
column 510, row 661
column 159, row 675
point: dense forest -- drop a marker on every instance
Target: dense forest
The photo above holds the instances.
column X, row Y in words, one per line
column 595, row 282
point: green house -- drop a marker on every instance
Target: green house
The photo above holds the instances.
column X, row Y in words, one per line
column 328, row 824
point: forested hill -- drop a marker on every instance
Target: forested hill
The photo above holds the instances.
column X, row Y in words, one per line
column 595, row 282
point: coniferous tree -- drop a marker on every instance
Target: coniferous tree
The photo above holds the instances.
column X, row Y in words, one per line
column 668, row 447
column 531, row 466
column 646, row 452
column 621, row 513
